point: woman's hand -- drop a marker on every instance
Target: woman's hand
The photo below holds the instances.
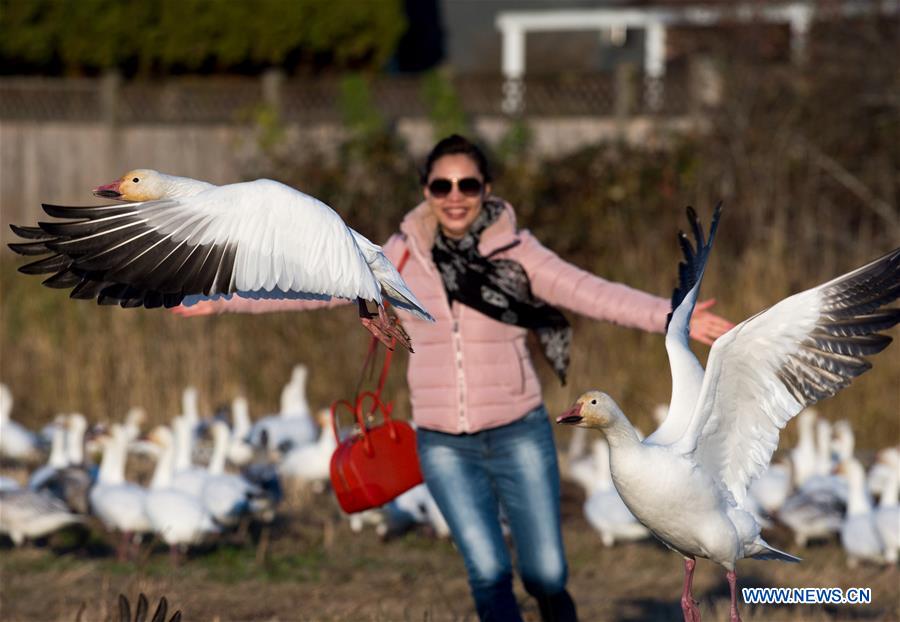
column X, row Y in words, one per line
column 204, row 307
column 706, row 327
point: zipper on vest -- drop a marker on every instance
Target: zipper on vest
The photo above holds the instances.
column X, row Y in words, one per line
column 460, row 375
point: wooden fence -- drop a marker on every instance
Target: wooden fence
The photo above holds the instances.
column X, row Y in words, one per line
column 61, row 137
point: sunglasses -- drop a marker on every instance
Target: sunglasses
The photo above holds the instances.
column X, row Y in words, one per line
column 468, row 186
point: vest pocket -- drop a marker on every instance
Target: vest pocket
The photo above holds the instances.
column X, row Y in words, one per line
column 517, row 379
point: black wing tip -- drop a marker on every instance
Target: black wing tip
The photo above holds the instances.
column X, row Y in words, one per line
column 28, row 233
column 28, row 248
column 690, row 270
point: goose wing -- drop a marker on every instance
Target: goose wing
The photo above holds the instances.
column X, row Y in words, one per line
column 767, row 369
column 255, row 239
column 687, row 373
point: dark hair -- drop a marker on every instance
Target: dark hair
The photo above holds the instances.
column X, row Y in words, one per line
column 452, row 145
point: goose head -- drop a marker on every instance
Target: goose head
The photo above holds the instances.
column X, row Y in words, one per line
column 162, row 436
column 140, row 184
column 594, row 409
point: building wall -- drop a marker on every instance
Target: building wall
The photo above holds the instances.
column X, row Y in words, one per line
column 473, row 43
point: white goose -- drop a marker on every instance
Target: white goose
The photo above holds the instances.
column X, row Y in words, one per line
column 293, row 426
column 830, row 454
column 311, row 463
column 859, row 532
column 416, row 506
column 187, row 476
column 179, row 518
column 887, row 461
column 56, row 460
column 27, row 514
column 887, row 515
column 586, row 470
column 816, row 509
column 772, row 488
column 228, row 497
column 9, row 483
column 187, row 239
column 240, row 452
column 190, row 408
column 687, row 482
column 118, row 504
column 16, row 442
column 604, row 508
column 72, row 482
column 134, row 420
column 803, row 456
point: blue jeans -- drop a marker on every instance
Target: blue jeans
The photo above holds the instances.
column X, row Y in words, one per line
column 513, row 468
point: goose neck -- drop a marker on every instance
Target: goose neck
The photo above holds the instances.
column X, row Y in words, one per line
column 891, row 492
column 162, row 474
column 621, row 434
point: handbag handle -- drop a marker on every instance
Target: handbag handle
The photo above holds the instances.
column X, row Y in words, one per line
column 385, row 413
column 375, row 396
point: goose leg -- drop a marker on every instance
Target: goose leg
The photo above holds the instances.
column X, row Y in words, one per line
column 688, row 604
column 385, row 329
column 732, row 583
column 124, row 548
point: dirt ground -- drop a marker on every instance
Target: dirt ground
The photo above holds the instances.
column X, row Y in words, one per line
column 315, row 568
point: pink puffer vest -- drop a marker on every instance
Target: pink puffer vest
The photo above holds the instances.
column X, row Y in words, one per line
column 471, row 372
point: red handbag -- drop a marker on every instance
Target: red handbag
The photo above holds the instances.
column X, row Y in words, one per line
column 378, row 463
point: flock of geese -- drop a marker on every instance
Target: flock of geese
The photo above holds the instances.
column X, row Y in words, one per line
column 210, row 476
column 820, row 491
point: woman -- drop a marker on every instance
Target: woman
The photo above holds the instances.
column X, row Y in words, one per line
column 484, row 440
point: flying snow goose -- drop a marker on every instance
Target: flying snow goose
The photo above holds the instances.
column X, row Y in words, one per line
column 687, row 482
column 859, row 532
column 16, row 442
column 189, row 240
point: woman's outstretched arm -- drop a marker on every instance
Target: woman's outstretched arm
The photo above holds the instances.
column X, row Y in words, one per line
column 560, row 283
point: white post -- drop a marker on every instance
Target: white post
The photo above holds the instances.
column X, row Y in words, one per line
column 513, row 67
column 654, row 64
column 800, row 17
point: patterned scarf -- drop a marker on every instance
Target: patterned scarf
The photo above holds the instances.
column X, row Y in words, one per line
column 500, row 288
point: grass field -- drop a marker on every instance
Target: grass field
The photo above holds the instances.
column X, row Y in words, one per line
column 316, row 568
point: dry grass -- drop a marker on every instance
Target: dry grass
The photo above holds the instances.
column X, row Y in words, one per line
column 317, row 569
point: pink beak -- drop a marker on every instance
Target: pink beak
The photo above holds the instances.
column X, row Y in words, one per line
column 109, row 191
column 571, row 416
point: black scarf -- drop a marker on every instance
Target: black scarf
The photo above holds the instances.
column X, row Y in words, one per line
column 500, row 288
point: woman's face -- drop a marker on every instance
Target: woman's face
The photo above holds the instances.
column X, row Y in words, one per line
column 457, row 209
